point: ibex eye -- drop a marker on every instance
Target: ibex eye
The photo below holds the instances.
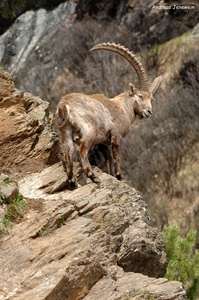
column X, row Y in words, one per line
column 141, row 97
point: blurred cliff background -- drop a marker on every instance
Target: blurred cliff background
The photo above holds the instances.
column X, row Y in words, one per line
column 45, row 46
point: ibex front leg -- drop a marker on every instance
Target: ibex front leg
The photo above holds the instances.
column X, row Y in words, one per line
column 83, row 153
column 106, row 151
column 116, row 141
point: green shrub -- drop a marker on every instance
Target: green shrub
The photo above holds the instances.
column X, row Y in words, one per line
column 2, row 198
column 15, row 209
column 183, row 260
column 15, row 212
column 9, row 8
column 5, row 182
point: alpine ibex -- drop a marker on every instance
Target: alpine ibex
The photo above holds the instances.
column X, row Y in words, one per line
column 87, row 120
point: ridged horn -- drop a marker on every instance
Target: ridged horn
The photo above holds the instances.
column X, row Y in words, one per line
column 134, row 61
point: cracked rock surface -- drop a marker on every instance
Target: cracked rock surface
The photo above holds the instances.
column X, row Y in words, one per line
column 94, row 242
column 27, row 142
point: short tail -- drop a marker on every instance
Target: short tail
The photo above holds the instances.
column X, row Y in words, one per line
column 62, row 115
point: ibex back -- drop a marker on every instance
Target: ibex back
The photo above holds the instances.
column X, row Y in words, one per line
column 89, row 120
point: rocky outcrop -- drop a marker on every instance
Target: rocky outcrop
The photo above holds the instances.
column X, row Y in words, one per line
column 91, row 243
column 94, row 242
column 27, row 142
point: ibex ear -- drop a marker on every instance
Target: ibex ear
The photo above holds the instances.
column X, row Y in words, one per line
column 132, row 89
column 155, row 85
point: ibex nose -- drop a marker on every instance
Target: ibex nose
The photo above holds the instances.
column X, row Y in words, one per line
column 146, row 113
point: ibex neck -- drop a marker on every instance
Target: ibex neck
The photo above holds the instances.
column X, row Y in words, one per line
column 126, row 104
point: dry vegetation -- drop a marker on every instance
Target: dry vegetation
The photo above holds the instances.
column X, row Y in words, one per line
column 91, row 72
column 164, row 141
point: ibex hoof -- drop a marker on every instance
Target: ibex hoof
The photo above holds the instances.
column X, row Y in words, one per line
column 96, row 180
column 93, row 177
column 90, row 174
column 119, row 176
column 72, row 184
column 72, row 180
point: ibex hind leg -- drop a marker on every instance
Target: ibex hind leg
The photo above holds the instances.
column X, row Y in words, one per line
column 83, row 153
column 116, row 157
column 68, row 152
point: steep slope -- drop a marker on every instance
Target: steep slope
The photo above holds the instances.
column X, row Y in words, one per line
column 70, row 244
column 47, row 52
column 95, row 242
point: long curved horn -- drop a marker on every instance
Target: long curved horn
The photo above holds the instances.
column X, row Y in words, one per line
column 134, row 61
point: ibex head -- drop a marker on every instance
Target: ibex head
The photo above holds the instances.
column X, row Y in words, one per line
column 142, row 96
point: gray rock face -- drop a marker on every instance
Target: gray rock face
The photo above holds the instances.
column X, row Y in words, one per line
column 26, row 34
column 195, row 32
column 83, row 244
